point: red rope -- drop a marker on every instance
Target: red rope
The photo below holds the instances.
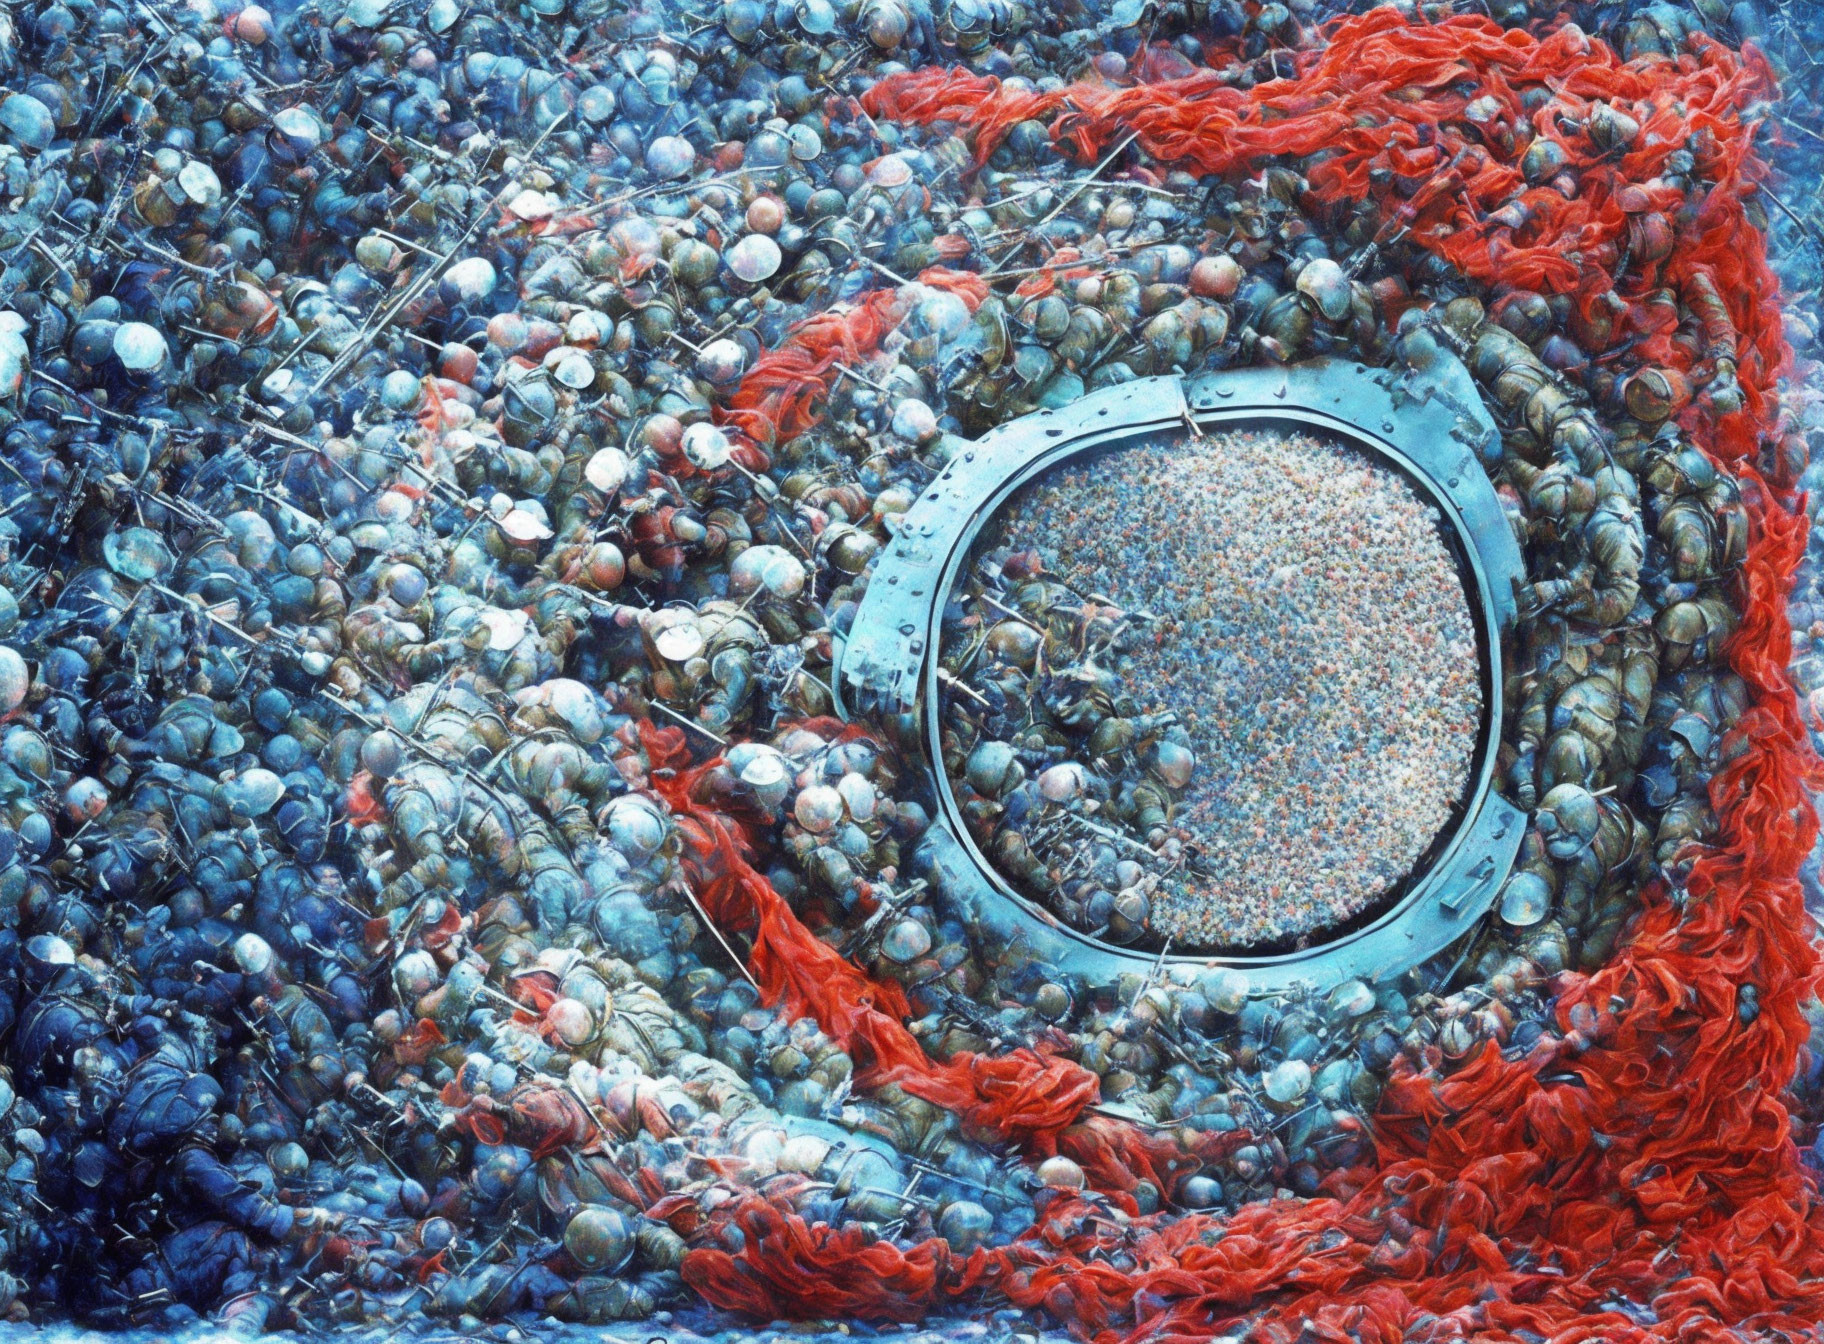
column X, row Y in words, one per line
column 782, row 395
column 1385, row 107
column 1029, row 1098
column 1643, row 1156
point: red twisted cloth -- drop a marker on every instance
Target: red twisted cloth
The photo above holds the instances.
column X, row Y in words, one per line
column 1634, row 1178
column 1390, row 104
column 781, row 396
column 1031, row 1099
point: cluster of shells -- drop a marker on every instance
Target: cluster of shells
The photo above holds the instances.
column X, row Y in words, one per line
column 364, row 508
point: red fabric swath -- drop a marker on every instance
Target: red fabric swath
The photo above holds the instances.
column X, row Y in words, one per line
column 1387, row 102
column 783, row 394
column 1031, row 1099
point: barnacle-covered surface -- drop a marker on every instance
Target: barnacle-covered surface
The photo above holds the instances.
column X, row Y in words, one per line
column 1245, row 662
column 442, row 444
column 687, row 1326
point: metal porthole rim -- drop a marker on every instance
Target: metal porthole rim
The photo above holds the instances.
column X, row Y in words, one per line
column 1434, row 427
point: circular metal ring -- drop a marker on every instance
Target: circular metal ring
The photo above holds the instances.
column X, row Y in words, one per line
column 1434, row 427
